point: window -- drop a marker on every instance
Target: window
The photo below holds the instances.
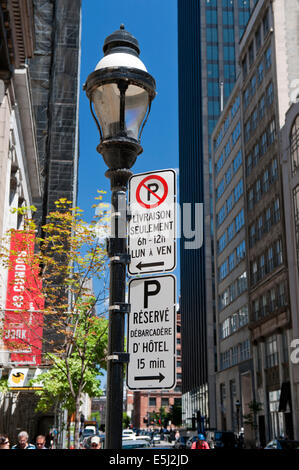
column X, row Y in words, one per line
column 241, row 251
column 231, row 231
column 270, row 259
column 258, row 190
column 244, row 67
column 276, row 211
column 254, row 272
column 258, row 39
column 279, row 257
column 294, row 145
column 222, row 214
column 250, row 199
column 274, row 170
column 260, row 75
column 264, row 143
column 247, row 130
column 229, row 204
column 222, row 242
column 254, row 118
column 152, row 401
column 266, row 24
column 270, row 94
column 232, row 261
column 252, row 235
column 282, row 295
column 268, row 220
column 165, row 401
column 246, row 96
column 245, row 350
column 243, row 316
column 237, row 162
column 240, row 220
column 248, row 164
column 262, row 266
column 223, row 271
column 253, row 85
column 261, row 107
column 268, row 58
column 238, row 191
column 272, row 304
column 259, row 227
column 271, row 132
column 225, row 328
column 234, row 355
column 256, row 309
column 266, row 180
column 271, row 352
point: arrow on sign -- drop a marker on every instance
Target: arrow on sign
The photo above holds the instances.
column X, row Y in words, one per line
column 149, row 265
column 159, row 377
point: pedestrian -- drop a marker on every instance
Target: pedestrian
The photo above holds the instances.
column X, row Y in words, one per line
column 4, row 442
column 200, row 443
column 177, row 435
column 95, row 442
column 40, row 442
column 23, row 439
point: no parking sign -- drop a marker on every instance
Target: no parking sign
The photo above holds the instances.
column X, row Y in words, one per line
column 152, row 228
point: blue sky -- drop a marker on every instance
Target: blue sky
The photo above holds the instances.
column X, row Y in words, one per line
column 154, row 24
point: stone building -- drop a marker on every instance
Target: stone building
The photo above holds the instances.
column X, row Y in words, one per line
column 234, row 377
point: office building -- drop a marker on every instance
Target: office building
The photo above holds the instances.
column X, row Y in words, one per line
column 234, row 377
column 208, row 47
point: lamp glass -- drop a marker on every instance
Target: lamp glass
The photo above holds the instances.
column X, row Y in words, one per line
column 136, row 103
column 106, row 99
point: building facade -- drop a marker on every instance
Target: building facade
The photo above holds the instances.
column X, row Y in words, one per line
column 290, row 175
column 268, row 67
column 208, row 50
column 234, row 377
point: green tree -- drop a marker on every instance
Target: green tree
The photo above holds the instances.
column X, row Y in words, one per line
column 251, row 418
column 69, row 255
column 175, row 414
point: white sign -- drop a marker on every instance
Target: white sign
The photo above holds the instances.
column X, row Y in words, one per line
column 21, row 377
column 152, row 227
column 152, row 333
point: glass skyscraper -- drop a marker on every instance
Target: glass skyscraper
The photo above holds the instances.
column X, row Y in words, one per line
column 208, row 46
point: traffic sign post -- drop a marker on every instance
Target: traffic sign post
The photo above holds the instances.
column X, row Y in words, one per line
column 152, row 226
column 152, row 333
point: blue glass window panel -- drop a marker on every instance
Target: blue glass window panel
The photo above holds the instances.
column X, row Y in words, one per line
column 229, row 53
column 213, row 108
column 228, row 17
column 213, row 89
column 211, row 17
column 213, row 71
column 212, row 34
column 228, row 88
column 212, row 52
column 211, row 3
column 227, row 3
column 229, row 72
column 228, row 35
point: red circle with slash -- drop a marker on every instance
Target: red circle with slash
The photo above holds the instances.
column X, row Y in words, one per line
column 160, row 199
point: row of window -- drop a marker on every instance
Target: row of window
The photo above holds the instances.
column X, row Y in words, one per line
column 260, row 147
column 232, row 261
column 258, row 113
column 269, row 302
column 233, row 323
column 234, row 355
column 257, row 77
column 256, row 44
column 266, row 262
column 231, row 231
column 231, row 201
column 232, row 170
column 237, row 288
column 265, row 221
column 262, row 184
column 231, row 114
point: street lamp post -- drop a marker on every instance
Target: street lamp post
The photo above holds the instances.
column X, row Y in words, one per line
column 120, row 91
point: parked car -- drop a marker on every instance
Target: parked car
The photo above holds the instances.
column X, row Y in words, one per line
column 135, row 444
column 283, row 444
column 128, row 434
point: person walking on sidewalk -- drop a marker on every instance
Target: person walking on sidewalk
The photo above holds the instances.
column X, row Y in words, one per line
column 23, row 443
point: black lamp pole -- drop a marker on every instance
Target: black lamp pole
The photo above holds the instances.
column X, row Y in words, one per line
column 119, row 87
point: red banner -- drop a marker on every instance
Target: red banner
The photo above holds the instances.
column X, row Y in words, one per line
column 23, row 323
